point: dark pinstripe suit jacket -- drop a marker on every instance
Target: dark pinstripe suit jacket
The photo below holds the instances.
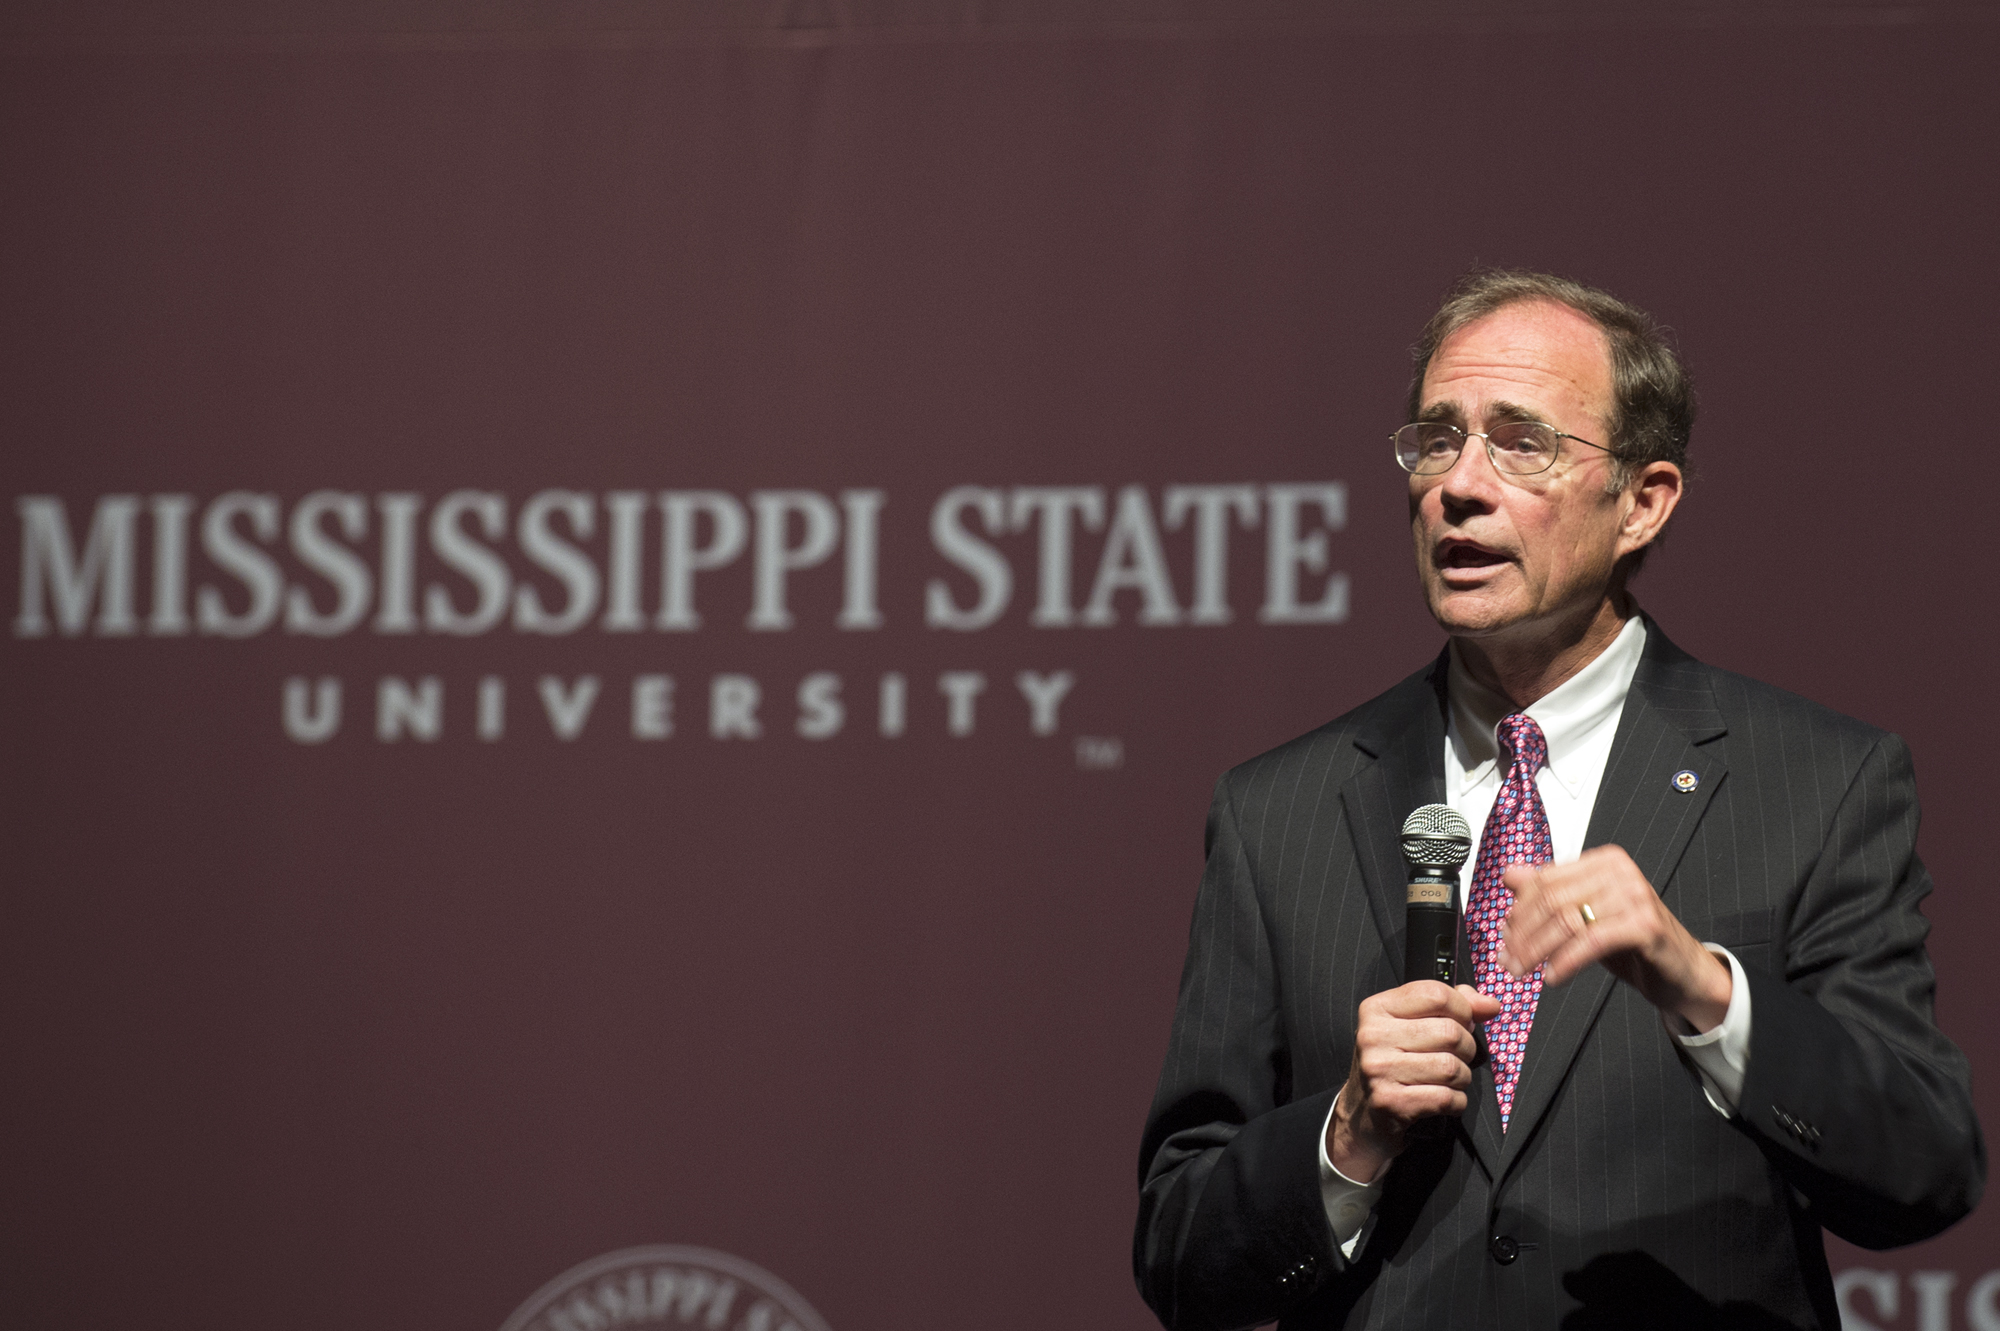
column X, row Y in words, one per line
column 1625, row 1199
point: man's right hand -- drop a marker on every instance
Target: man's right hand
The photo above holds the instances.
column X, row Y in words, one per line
column 1413, row 1050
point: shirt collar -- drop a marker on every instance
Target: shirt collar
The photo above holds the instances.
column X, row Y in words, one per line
column 1569, row 715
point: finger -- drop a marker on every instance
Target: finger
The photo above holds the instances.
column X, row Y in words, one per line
column 1542, row 886
column 1566, row 943
column 1551, row 875
column 1410, row 1103
column 1524, row 880
column 1606, row 938
column 1483, row 1007
column 1406, row 1069
column 1386, row 1066
column 1538, row 895
column 1431, row 1070
column 1552, row 888
column 1529, row 938
column 1526, row 944
column 1378, row 1045
column 1604, row 875
column 1468, row 1006
column 1430, row 1091
column 1418, row 998
column 1435, row 1034
column 1567, row 961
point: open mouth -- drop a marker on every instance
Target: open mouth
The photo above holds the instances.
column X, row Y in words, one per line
column 1465, row 554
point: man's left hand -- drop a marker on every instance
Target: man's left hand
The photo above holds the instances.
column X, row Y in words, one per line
column 1633, row 935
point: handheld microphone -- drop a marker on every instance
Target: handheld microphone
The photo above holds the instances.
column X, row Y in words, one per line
column 1436, row 842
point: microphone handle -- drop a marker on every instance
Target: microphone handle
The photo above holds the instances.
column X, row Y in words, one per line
column 1430, row 949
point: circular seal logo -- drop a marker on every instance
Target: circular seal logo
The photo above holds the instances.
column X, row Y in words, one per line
column 1686, row 780
column 669, row 1287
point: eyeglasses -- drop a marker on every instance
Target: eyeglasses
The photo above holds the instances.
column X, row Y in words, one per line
column 1519, row 448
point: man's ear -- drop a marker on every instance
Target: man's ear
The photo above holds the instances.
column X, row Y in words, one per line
column 1651, row 496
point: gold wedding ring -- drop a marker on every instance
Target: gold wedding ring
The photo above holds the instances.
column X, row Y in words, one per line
column 1589, row 915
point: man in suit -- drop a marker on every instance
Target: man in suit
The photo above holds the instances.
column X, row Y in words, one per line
column 1701, row 1029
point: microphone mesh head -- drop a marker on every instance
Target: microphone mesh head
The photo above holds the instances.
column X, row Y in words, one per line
column 1437, row 836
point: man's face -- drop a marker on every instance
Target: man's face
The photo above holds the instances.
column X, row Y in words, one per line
column 1508, row 556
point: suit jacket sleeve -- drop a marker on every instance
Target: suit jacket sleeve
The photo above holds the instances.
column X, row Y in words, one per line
column 1231, row 1230
column 1853, row 1092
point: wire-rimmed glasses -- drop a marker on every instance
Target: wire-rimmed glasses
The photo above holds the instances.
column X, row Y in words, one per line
column 1519, row 448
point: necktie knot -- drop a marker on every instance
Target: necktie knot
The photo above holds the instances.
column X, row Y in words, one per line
column 1525, row 741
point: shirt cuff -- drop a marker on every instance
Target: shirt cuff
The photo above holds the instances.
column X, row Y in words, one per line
column 1349, row 1205
column 1721, row 1056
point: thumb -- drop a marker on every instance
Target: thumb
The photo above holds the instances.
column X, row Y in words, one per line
column 1483, row 1005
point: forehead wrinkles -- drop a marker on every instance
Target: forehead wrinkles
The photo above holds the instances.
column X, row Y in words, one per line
column 1506, row 380
column 1540, row 356
column 1497, row 398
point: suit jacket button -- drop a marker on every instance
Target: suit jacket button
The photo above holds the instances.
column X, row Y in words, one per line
column 1504, row 1248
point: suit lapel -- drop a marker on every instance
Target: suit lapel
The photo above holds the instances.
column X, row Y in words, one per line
column 1665, row 729
column 1408, row 747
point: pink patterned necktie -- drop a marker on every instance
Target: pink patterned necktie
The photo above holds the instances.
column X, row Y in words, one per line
column 1517, row 832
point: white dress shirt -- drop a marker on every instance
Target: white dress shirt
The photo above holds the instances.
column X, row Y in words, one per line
column 1579, row 719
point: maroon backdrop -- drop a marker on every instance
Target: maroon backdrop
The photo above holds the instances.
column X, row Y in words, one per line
column 306, row 1027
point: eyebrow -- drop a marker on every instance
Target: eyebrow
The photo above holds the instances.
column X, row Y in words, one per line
column 1449, row 413
column 1508, row 411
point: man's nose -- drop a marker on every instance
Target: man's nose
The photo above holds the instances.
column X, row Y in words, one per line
column 1471, row 475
